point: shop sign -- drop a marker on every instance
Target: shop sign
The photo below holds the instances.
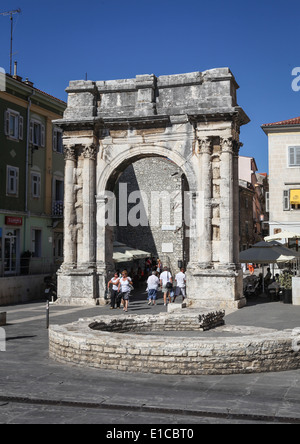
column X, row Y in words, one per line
column 14, row 221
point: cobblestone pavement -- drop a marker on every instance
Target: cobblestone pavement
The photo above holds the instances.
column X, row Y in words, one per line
column 34, row 389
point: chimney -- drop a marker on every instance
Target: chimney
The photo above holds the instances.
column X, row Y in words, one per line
column 27, row 82
column 15, row 76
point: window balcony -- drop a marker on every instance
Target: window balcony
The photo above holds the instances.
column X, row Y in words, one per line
column 58, row 208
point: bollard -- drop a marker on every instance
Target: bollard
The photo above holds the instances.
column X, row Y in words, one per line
column 47, row 315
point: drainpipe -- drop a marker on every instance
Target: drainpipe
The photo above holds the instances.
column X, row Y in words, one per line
column 27, row 162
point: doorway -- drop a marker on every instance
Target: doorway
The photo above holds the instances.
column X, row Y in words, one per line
column 11, row 252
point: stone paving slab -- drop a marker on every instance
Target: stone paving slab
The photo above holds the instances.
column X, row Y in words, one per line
column 26, row 370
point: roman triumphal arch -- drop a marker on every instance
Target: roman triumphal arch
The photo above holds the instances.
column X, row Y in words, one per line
column 191, row 119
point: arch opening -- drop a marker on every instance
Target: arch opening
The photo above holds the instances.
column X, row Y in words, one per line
column 150, row 211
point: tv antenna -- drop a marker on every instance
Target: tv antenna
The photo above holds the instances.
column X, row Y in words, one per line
column 11, row 14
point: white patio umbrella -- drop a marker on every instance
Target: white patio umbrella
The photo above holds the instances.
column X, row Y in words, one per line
column 268, row 253
column 123, row 253
column 283, row 235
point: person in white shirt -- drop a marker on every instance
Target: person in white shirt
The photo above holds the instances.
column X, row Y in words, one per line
column 153, row 284
column 125, row 285
column 115, row 291
column 166, row 282
column 180, row 279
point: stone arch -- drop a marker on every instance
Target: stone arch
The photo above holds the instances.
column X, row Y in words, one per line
column 194, row 120
column 129, row 156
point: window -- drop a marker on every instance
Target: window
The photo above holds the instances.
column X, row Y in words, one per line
column 286, row 200
column 267, row 202
column 36, row 237
column 59, row 189
column 58, row 246
column 13, row 125
column 12, row 181
column 57, row 140
column 37, row 134
column 58, row 197
column 295, row 199
column 35, row 185
column 294, row 156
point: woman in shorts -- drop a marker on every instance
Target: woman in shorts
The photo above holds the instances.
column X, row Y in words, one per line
column 115, row 291
column 125, row 288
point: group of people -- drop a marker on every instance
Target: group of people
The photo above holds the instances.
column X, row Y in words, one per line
column 122, row 287
column 165, row 281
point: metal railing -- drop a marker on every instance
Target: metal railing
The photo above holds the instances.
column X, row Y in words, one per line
column 27, row 266
column 58, row 208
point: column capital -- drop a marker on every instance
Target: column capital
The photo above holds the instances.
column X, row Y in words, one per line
column 90, row 151
column 226, row 145
column 69, row 152
column 205, row 145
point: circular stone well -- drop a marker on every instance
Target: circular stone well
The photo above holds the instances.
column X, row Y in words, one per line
column 171, row 344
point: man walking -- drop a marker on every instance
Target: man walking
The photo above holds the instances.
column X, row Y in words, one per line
column 180, row 279
column 153, row 284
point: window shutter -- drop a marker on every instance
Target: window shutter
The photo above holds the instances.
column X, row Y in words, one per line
column 31, row 132
column 267, row 201
column 21, row 125
column 292, row 155
column 17, row 181
column 39, row 186
column 286, row 200
column 43, row 136
column 297, row 149
column 6, row 123
column 54, row 140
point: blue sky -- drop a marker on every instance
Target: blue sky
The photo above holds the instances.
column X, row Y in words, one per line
column 59, row 41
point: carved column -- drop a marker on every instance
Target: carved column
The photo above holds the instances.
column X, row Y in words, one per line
column 70, row 240
column 89, row 205
column 105, row 230
column 226, row 251
column 205, row 151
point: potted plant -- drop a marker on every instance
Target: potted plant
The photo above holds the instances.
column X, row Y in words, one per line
column 285, row 280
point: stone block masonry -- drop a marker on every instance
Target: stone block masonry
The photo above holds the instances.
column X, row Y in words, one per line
column 193, row 120
column 156, row 179
column 158, row 344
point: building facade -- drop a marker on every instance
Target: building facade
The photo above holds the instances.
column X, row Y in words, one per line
column 31, row 185
column 253, row 214
column 284, row 175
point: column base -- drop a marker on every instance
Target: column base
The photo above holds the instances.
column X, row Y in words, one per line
column 77, row 287
column 215, row 288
